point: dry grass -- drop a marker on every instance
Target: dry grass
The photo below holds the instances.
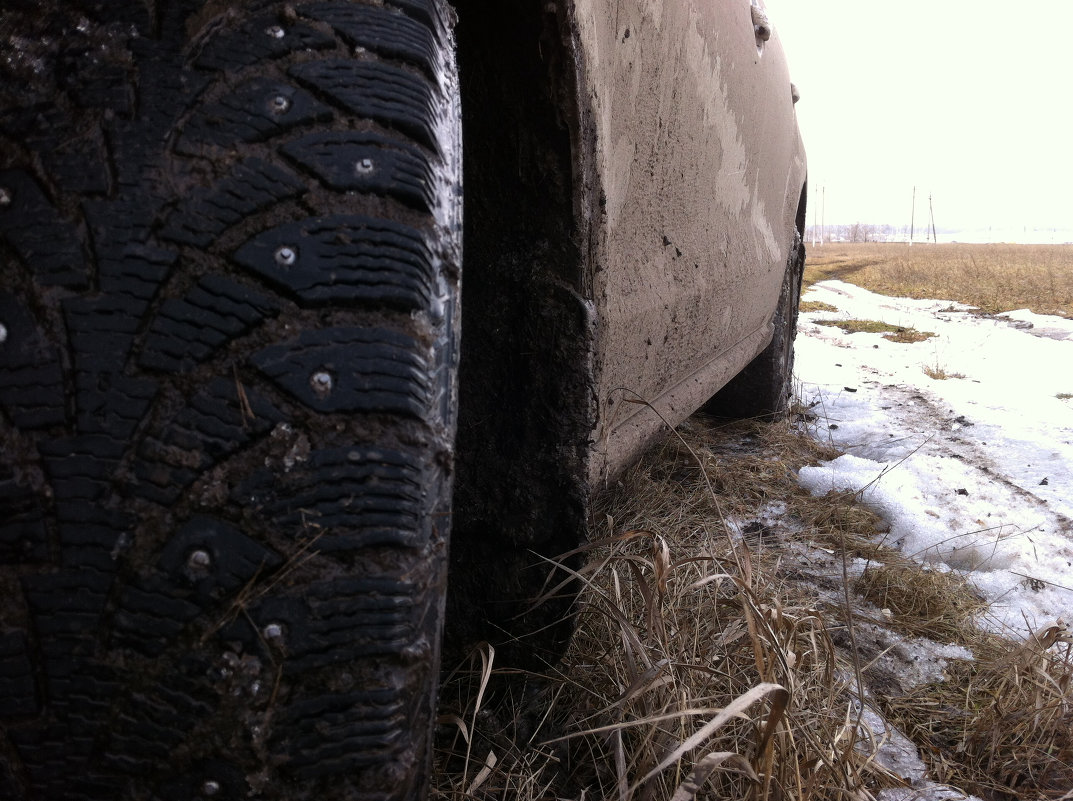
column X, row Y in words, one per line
column 939, row 373
column 994, row 278
column 894, row 333
column 713, row 661
column 817, row 306
column 1000, row 727
column 699, row 669
column 908, row 335
column 922, row 602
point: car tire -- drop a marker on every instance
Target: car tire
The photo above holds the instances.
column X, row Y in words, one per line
column 229, row 276
column 765, row 387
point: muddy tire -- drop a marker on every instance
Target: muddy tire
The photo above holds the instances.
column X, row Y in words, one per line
column 764, row 388
column 229, row 269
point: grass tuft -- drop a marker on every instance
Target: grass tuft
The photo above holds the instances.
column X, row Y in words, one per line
column 895, row 333
column 939, row 374
column 908, row 335
column 817, row 306
column 1000, row 727
column 922, row 602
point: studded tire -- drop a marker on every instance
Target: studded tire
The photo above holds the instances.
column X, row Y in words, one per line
column 229, row 272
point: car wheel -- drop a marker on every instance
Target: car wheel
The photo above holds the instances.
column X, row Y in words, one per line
column 229, row 274
column 764, row 388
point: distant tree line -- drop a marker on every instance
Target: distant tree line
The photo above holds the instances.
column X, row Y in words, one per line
column 860, row 232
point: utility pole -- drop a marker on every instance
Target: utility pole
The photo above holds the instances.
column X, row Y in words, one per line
column 931, row 210
column 913, row 216
column 823, row 213
column 815, row 219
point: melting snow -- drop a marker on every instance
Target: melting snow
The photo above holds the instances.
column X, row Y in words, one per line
column 974, row 473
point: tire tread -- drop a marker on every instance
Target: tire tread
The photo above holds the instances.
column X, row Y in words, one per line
column 223, row 572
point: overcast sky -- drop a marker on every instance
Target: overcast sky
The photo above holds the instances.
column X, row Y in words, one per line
column 969, row 100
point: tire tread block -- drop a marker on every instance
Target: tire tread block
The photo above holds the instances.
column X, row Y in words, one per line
column 162, row 90
column 50, row 757
column 348, row 732
column 352, row 498
column 216, row 423
column 186, row 331
column 251, row 113
column 23, row 537
column 67, row 608
column 262, row 38
column 33, row 394
column 81, row 468
column 234, row 560
column 150, row 616
column 358, row 161
column 252, row 186
column 423, row 10
column 369, row 370
column 154, row 724
column 48, row 245
column 74, row 157
column 112, row 405
column 385, row 93
column 31, row 377
column 90, row 535
column 56, row 598
column 338, row 622
column 101, row 329
column 379, row 30
column 118, row 230
column 343, row 258
column 138, row 271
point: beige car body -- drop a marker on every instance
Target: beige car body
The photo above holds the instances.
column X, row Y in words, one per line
column 633, row 186
column 693, row 188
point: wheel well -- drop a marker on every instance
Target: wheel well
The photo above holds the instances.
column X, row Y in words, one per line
column 802, row 203
column 525, row 384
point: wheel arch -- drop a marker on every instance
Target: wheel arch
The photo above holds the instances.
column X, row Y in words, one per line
column 526, row 390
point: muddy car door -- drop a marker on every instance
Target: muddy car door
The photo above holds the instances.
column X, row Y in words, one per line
column 703, row 170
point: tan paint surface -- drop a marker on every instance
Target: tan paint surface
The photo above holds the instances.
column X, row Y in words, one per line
column 695, row 176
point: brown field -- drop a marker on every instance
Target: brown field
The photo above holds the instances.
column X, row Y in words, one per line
column 994, row 278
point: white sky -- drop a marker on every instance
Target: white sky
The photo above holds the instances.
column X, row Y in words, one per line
column 967, row 99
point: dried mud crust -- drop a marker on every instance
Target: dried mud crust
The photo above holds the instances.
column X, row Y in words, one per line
column 229, row 264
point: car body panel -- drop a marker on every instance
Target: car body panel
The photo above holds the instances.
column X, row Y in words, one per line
column 692, row 176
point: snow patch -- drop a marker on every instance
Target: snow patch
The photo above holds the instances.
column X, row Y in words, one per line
column 972, row 473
